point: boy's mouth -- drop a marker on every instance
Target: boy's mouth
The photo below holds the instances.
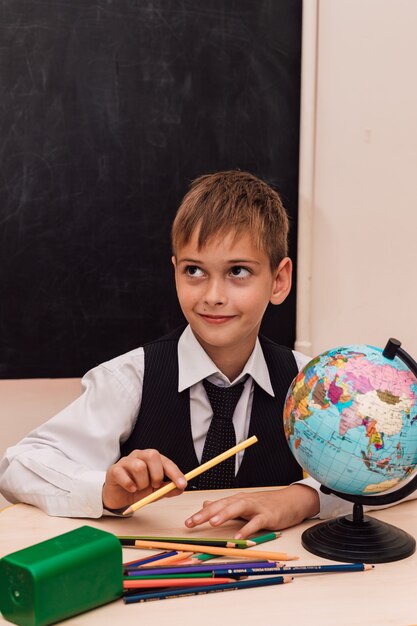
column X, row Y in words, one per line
column 216, row 319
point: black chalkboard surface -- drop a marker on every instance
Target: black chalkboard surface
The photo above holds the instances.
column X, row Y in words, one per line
column 108, row 110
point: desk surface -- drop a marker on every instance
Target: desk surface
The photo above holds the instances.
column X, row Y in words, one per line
column 383, row 596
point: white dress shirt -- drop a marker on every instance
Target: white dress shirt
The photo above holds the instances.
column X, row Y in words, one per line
column 61, row 466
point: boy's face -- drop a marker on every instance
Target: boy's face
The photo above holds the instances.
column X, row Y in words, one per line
column 224, row 289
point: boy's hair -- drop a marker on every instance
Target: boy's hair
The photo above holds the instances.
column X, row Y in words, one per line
column 219, row 203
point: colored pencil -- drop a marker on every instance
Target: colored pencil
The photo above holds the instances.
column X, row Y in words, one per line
column 150, row 559
column 188, row 561
column 266, row 537
column 190, row 569
column 177, row 582
column 191, row 575
column 126, row 540
column 302, row 569
column 190, row 475
column 195, row 591
column 238, row 552
column 201, row 558
column 179, row 557
column 257, row 540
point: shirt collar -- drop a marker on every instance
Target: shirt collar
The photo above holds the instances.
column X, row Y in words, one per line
column 194, row 365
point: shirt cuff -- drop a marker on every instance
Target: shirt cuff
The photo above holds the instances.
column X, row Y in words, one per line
column 333, row 506
column 330, row 505
column 85, row 495
column 117, row 512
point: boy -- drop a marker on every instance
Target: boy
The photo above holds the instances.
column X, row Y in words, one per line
column 144, row 417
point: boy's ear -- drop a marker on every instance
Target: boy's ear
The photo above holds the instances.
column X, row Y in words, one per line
column 282, row 281
column 174, row 261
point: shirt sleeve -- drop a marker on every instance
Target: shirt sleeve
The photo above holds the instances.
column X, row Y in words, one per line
column 60, row 466
column 333, row 506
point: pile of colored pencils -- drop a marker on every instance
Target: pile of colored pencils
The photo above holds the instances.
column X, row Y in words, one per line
column 180, row 570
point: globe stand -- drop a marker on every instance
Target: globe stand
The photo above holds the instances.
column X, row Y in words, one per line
column 358, row 538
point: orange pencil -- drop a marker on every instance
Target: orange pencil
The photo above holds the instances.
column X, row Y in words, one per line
column 246, row 553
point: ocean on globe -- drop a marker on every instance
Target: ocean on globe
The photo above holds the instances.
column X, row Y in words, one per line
column 350, row 419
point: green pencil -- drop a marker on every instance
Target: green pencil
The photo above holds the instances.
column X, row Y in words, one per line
column 265, row 538
column 127, row 540
column 204, row 557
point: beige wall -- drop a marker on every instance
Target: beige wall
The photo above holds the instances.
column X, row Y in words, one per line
column 359, row 165
column 26, row 403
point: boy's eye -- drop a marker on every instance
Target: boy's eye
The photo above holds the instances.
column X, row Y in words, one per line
column 239, row 272
column 193, row 270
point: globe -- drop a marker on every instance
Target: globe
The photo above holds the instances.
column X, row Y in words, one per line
column 350, row 419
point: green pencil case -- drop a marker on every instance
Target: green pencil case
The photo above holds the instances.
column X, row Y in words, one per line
column 61, row 577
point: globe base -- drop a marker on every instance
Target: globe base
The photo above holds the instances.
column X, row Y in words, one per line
column 358, row 539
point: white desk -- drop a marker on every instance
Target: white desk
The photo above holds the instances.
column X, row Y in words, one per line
column 383, row 596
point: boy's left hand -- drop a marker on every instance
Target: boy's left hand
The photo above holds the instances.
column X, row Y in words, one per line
column 268, row 510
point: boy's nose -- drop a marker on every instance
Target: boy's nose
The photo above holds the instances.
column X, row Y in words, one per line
column 215, row 294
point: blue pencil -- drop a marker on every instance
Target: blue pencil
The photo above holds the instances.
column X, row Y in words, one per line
column 190, row 569
column 301, row 569
column 196, row 591
column 151, row 559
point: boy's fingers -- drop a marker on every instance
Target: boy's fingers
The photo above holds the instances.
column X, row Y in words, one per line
column 132, row 473
column 233, row 510
column 144, row 470
column 212, row 511
column 154, row 470
column 252, row 527
column 118, row 476
column 173, row 472
column 157, row 466
column 138, row 474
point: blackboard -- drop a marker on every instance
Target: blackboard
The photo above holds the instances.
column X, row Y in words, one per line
column 108, row 110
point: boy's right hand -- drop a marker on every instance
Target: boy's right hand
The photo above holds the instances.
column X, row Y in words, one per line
column 135, row 476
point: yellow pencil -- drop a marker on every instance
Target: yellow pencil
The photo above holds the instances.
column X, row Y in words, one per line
column 246, row 553
column 190, row 475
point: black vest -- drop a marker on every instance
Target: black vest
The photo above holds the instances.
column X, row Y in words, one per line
column 163, row 422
